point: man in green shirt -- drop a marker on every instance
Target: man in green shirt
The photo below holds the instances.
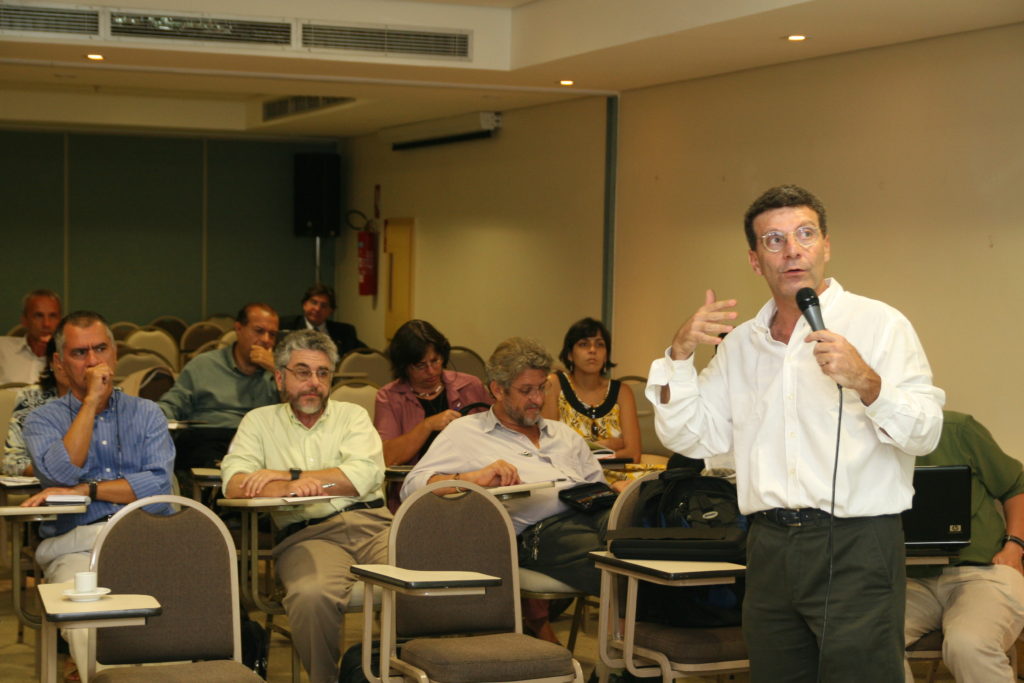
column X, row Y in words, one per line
column 978, row 602
column 217, row 388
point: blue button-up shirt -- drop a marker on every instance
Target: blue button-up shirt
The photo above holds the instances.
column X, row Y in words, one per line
column 129, row 441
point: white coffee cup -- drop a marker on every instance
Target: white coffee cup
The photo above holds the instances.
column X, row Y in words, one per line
column 85, row 582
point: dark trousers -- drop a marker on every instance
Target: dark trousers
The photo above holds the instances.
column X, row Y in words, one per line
column 558, row 546
column 787, row 573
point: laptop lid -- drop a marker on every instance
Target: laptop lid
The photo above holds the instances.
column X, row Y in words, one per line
column 940, row 516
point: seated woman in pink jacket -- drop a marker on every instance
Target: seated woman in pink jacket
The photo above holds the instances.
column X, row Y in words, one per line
column 424, row 398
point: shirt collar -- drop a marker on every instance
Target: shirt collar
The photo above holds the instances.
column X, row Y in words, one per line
column 491, row 423
column 328, row 410
column 763, row 319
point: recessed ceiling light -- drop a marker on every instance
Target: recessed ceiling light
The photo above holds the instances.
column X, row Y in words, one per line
column 95, row 57
column 796, row 38
column 566, row 81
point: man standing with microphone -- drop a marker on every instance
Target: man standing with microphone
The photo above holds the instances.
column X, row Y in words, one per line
column 822, row 471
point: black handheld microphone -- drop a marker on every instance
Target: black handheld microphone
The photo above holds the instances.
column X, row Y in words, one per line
column 807, row 300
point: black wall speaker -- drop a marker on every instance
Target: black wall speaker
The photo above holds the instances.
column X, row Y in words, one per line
column 317, row 195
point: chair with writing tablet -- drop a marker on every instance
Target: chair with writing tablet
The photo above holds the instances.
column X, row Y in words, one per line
column 451, row 592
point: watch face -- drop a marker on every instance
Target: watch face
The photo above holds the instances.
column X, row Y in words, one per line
column 295, row 474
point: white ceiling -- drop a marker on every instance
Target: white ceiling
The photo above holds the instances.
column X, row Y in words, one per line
column 520, row 50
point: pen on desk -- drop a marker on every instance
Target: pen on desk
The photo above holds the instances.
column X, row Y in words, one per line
column 325, row 486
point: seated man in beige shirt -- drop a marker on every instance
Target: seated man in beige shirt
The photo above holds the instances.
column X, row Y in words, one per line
column 309, row 445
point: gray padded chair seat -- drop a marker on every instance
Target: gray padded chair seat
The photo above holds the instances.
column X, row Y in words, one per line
column 207, row 672
column 692, row 645
column 457, row 660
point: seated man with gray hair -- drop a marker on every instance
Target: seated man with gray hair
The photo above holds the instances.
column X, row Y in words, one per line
column 511, row 444
column 308, row 445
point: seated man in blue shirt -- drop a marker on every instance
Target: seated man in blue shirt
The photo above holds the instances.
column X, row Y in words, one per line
column 511, row 444
column 218, row 388
column 93, row 441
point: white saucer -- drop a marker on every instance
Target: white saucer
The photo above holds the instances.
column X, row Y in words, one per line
column 71, row 595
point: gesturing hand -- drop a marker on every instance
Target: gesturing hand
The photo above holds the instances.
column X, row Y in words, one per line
column 704, row 326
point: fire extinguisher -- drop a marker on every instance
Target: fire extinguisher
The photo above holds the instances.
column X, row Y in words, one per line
column 366, row 242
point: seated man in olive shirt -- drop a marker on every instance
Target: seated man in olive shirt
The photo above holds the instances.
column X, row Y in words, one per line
column 978, row 602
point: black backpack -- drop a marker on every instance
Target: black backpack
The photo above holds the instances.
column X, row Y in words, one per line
column 682, row 515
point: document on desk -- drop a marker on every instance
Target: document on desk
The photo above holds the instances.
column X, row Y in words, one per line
column 19, row 481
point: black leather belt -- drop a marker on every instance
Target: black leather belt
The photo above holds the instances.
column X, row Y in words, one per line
column 801, row 517
column 299, row 526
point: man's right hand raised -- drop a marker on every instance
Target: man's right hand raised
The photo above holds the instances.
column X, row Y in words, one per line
column 99, row 384
column 704, row 326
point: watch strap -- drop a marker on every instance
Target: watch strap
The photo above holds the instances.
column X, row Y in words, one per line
column 1010, row 538
column 295, row 472
column 93, row 486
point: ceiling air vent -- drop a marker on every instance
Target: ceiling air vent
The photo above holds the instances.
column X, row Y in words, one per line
column 299, row 104
column 48, row 20
column 387, row 40
column 200, row 28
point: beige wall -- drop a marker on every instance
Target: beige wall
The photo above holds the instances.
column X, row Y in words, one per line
column 508, row 230
column 917, row 151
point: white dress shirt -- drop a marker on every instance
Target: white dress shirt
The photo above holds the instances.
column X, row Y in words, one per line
column 475, row 441
column 770, row 404
column 18, row 363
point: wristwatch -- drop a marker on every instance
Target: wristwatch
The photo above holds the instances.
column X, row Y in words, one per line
column 92, row 489
column 295, row 472
column 1013, row 539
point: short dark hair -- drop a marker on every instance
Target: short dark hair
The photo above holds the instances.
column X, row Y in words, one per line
column 782, row 197
column 584, row 329
column 320, row 289
column 46, row 293
column 243, row 313
column 79, row 319
column 410, row 344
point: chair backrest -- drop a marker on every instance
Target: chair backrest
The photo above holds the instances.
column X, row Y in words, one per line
column 172, row 324
column 155, row 339
column 132, row 360
column 198, row 334
column 463, row 532
column 463, row 359
column 222, row 320
column 649, row 441
column 356, row 391
column 185, row 560
column 8, row 399
column 370, row 362
column 228, row 338
column 624, row 511
column 122, row 329
column 149, row 383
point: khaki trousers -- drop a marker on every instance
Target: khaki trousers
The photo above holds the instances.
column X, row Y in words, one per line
column 313, row 565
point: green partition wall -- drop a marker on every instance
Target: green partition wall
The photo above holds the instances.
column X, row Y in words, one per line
column 140, row 226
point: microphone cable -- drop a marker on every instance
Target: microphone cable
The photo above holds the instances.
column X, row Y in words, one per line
column 831, row 548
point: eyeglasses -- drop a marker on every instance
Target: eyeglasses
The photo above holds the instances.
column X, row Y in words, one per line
column 806, row 236
column 304, row 374
column 528, row 390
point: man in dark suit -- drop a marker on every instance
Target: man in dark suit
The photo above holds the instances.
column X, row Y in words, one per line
column 318, row 304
